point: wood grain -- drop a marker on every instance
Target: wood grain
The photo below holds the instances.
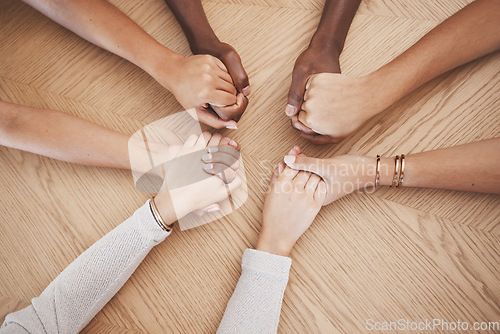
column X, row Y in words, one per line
column 412, row 254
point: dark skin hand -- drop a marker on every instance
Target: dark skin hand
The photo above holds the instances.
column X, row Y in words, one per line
column 322, row 56
column 202, row 40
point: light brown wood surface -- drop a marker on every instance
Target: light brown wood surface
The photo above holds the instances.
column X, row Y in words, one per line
column 412, row 253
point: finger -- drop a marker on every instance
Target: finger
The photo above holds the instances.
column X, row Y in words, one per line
column 281, row 167
column 227, row 87
column 221, row 158
column 224, row 76
column 225, row 149
column 296, row 92
column 233, row 112
column 234, row 185
column 191, row 141
column 312, row 183
column 203, row 140
column 321, row 192
column 274, row 177
column 224, row 172
column 215, row 140
column 300, row 179
column 235, row 68
column 320, row 139
column 294, row 151
column 211, row 119
column 289, row 173
column 222, row 98
column 226, row 141
column 298, row 125
column 303, row 162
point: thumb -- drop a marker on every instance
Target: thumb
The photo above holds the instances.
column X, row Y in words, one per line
column 296, row 93
column 235, row 68
column 305, row 163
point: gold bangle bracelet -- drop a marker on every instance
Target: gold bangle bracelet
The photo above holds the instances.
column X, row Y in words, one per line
column 402, row 173
column 157, row 216
column 377, row 172
column 395, row 178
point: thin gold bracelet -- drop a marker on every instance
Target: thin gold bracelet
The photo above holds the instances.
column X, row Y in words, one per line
column 402, row 173
column 157, row 216
column 395, row 178
column 377, row 172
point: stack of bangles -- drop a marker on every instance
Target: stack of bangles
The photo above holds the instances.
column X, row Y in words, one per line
column 156, row 215
column 399, row 172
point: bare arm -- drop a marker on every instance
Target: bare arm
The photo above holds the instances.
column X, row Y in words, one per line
column 470, row 167
column 62, row 136
column 337, row 105
column 194, row 81
column 469, row 34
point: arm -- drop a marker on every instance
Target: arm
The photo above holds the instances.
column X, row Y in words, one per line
column 322, row 55
column 86, row 285
column 470, row 167
column 62, row 136
column 195, row 81
column 69, row 303
column 255, row 305
column 202, row 40
column 337, row 104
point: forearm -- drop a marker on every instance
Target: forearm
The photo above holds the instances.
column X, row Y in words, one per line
column 255, row 305
column 334, row 24
column 471, row 167
column 194, row 23
column 104, row 25
column 61, row 136
column 469, row 34
column 87, row 284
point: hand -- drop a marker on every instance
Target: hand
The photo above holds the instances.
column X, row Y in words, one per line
column 220, row 163
column 292, row 202
column 197, row 81
column 311, row 61
column 343, row 174
column 335, row 105
column 210, row 115
column 228, row 55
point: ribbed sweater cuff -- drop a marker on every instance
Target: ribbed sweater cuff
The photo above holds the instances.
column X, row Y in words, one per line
column 266, row 262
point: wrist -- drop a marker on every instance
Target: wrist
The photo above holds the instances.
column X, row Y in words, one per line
column 272, row 245
column 325, row 41
column 166, row 208
column 161, row 65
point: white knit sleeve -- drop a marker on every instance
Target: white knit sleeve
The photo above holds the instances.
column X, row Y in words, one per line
column 256, row 302
column 69, row 303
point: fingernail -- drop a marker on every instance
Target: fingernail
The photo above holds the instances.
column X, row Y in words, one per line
column 247, row 90
column 232, row 127
column 233, row 143
column 213, row 208
column 213, row 149
column 289, row 159
column 290, row 110
column 206, row 157
column 208, row 167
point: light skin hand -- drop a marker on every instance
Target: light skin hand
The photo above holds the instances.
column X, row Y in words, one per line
column 177, row 203
column 293, row 200
column 337, row 105
column 322, row 56
column 202, row 40
column 342, row 174
column 197, row 81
